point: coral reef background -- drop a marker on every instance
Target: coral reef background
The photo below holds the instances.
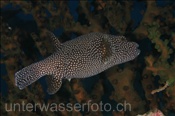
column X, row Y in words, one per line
column 147, row 83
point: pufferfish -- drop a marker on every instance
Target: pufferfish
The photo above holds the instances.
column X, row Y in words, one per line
column 82, row 57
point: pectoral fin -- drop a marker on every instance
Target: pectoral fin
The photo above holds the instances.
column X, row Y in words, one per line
column 54, row 83
column 105, row 50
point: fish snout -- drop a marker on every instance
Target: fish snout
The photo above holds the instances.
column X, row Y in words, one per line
column 136, row 48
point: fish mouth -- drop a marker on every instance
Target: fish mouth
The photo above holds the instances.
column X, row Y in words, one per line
column 137, row 50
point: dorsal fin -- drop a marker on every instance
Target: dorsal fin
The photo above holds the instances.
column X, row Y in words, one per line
column 55, row 41
column 54, row 83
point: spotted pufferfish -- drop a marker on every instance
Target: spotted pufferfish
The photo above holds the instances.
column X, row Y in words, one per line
column 82, row 57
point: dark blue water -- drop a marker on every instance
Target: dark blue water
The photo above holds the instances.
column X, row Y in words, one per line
column 73, row 4
column 4, row 87
column 136, row 13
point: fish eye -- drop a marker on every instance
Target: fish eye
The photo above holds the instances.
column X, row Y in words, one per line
column 123, row 38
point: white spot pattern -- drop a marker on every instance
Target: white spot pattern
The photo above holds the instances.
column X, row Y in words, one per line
column 82, row 57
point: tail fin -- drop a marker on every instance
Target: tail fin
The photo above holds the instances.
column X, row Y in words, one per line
column 30, row 74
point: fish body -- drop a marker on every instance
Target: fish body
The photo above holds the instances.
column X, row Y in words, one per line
column 85, row 56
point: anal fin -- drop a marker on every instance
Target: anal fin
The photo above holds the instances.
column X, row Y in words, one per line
column 54, row 84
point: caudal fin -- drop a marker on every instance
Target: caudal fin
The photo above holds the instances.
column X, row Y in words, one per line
column 29, row 74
